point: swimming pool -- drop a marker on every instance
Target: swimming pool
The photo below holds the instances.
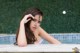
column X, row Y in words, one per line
column 65, row 38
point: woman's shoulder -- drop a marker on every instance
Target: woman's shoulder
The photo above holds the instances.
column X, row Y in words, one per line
column 41, row 31
column 38, row 30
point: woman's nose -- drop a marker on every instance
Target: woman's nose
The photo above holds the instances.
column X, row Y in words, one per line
column 37, row 24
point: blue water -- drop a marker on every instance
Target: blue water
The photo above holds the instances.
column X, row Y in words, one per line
column 64, row 38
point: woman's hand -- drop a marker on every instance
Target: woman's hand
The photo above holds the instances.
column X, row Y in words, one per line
column 26, row 18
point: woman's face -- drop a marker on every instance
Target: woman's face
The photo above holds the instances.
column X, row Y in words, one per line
column 35, row 23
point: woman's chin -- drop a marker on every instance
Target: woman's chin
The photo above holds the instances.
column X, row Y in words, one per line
column 33, row 30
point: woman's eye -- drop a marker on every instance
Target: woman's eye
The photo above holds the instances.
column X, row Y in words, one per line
column 39, row 21
column 34, row 19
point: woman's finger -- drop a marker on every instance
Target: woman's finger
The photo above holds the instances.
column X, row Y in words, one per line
column 31, row 16
column 27, row 20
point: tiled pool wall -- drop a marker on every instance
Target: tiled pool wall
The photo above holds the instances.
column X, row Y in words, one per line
column 68, row 38
column 7, row 38
column 65, row 38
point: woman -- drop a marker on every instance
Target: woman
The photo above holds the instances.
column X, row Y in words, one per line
column 30, row 31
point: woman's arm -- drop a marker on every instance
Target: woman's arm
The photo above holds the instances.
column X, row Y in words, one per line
column 21, row 40
column 47, row 37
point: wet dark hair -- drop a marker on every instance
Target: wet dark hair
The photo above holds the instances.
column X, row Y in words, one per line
column 29, row 34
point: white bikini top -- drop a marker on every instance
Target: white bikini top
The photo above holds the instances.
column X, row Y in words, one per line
column 41, row 41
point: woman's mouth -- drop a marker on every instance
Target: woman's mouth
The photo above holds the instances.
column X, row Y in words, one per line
column 34, row 28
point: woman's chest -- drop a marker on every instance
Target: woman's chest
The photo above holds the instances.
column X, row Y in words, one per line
column 38, row 38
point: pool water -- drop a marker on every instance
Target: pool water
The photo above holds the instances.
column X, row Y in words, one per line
column 71, row 38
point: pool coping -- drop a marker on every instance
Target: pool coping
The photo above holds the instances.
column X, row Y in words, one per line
column 39, row 48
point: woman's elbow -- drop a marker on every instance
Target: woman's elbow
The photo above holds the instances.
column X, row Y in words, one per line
column 57, row 42
column 22, row 45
